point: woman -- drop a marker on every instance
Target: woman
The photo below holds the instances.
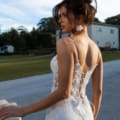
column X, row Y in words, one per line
column 78, row 58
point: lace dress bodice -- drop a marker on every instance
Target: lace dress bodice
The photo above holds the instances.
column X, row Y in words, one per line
column 77, row 106
column 80, row 79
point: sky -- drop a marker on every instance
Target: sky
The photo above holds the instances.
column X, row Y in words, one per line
column 27, row 13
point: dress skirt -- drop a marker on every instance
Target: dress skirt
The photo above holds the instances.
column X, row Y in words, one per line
column 69, row 110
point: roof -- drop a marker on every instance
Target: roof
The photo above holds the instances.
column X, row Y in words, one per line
column 104, row 24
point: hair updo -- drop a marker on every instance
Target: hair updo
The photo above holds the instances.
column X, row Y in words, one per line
column 77, row 7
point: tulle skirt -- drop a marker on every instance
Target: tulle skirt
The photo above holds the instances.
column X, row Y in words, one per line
column 69, row 110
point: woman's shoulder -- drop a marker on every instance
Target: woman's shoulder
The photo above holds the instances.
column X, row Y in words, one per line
column 65, row 44
column 93, row 44
column 95, row 48
column 64, row 40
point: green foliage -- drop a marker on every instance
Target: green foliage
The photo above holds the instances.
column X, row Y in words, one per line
column 47, row 25
column 97, row 20
column 24, row 41
column 114, row 20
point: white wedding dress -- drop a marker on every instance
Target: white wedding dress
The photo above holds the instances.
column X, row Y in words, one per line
column 77, row 106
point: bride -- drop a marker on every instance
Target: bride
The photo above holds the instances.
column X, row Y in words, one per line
column 78, row 59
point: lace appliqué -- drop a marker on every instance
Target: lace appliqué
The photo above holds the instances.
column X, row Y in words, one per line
column 80, row 81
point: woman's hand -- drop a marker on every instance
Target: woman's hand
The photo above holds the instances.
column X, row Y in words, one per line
column 10, row 111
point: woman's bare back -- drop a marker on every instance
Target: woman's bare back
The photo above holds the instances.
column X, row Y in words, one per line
column 85, row 51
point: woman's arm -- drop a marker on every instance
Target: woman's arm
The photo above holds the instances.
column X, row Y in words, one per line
column 97, row 86
column 65, row 74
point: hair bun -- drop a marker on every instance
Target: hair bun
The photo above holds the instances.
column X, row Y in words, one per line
column 88, row 1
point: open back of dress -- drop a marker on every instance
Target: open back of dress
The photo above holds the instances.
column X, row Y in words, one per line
column 77, row 106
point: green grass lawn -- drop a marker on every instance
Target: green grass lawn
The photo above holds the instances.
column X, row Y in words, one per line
column 12, row 67
column 107, row 56
column 18, row 66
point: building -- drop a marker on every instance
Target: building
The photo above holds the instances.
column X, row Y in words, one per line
column 7, row 49
column 105, row 36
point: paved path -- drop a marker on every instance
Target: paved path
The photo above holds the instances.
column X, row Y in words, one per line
column 30, row 89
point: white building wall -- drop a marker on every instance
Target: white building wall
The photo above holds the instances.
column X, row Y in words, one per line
column 105, row 36
column 10, row 49
column 7, row 49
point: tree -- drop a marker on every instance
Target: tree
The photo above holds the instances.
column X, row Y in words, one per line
column 34, row 37
column 13, row 35
column 4, row 39
column 7, row 38
column 47, row 25
column 115, row 20
column 97, row 20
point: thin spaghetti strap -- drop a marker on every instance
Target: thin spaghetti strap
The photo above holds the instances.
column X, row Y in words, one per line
column 77, row 56
column 77, row 52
